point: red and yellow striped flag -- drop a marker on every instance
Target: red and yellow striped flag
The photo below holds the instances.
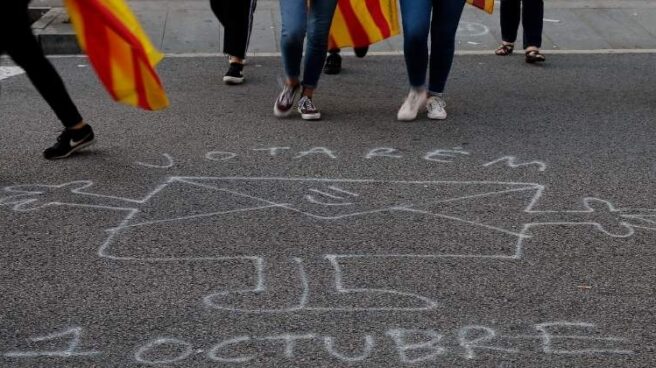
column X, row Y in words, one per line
column 487, row 5
column 359, row 23
column 120, row 51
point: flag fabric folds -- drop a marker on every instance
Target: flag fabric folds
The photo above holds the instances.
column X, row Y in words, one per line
column 360, row 23
column 487, row 5
column 120, row 51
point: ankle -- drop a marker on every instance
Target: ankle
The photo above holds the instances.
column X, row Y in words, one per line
column 234, row 59
column 307, row 92
column 419, row 91
column 292, row 83
column 77, row 126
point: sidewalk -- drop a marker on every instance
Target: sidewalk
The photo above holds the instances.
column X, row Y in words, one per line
column 188, row 26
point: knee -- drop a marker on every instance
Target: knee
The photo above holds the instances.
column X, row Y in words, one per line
column 415, row 39
column 444, row 36
column 292, row 36
column 317, row 39
column 30, row 60
column 416, row 33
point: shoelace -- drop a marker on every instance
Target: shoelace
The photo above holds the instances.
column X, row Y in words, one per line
column 307, row 104
column 286, row 98
column 437, row 102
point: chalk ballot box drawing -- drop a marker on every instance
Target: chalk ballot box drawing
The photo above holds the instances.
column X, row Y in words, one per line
column 306, row 216
column 251, row 219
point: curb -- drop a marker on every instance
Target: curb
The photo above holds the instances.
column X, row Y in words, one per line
column 55, row 33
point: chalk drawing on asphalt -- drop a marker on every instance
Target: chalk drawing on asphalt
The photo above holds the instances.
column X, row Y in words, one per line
column 73, row 335
column 309, row 210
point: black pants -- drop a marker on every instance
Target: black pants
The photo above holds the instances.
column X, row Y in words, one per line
column 18, row 41
column 532, row 12
column 236, row 16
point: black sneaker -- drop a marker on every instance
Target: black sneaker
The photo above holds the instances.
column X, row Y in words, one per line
column 69, row 141
column 285, row 101
column 333, row 64
column 361, row 51
column 307, row 109
column 235, row 74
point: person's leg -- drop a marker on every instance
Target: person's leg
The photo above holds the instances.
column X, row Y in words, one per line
column 532, row 21
column 446, row 17
column 319, row 20
column 220, row 10
column 293, row 15
column 510, row 16
column 294, row 25
column 238, row 28
column 24, row 49
column 416, row 16
column 237, row 20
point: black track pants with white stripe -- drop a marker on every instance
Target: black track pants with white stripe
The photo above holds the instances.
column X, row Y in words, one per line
column 17, row 40
column 236, row 16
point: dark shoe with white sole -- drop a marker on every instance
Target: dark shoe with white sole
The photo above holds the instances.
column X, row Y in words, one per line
column 307, row 109
column 333, row 64
column 70, row 141
column 235, row 74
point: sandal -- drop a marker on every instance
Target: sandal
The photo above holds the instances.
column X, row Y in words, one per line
column 505, row 49
column 533, row 56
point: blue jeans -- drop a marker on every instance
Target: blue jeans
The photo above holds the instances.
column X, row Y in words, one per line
column 416, row 15
column 297, row 21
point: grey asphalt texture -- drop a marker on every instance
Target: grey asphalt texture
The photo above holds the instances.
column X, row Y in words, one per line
column 589, row 119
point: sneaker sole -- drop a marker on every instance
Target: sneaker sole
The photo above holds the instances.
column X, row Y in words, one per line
column 281, row 114
column 405, row 119
column 437, row 117
column 232, row 80
column 422, row 103
column 316, row 116
column 79, row 147
column 409, row 118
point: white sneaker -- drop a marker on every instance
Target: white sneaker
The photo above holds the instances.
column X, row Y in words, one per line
column 416, row 100
column 436, row 107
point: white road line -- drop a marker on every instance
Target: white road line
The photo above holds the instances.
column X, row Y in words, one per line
column 10, row 71
column 397, row 53
column 459, row 52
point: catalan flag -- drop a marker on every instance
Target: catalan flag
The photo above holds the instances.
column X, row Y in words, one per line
column 360, row 23
column 487, row 5
column 119, row 50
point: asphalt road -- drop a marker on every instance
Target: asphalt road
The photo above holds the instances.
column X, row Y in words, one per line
column 518, row 233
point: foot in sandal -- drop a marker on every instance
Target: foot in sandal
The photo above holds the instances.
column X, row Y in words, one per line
column 533, row 55
column 505, row 49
